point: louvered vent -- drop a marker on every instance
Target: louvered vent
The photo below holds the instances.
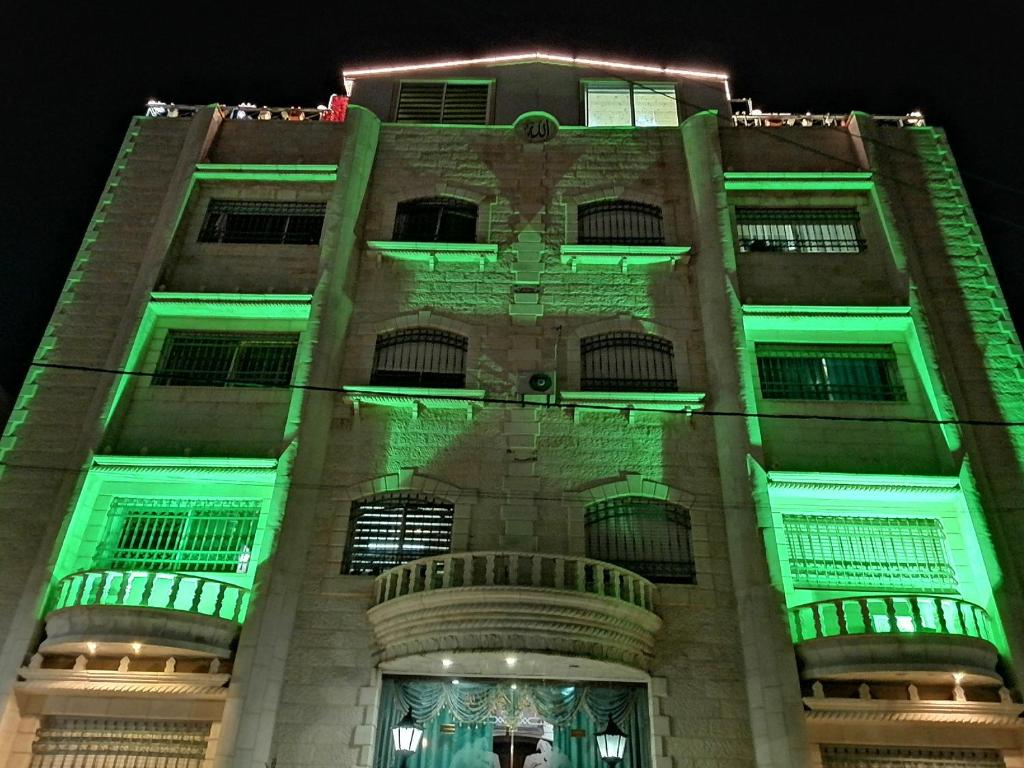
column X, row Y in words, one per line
column 464, row 103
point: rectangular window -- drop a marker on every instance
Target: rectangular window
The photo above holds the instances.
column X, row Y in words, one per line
column 198, row 358
column 180, row 534
column 839, row 372
column 844, row 551
column 241, row 221
column 455, row 103
column 801, row 230
column 616, row 102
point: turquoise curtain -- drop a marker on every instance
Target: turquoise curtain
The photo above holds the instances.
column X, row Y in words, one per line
column 577, row 712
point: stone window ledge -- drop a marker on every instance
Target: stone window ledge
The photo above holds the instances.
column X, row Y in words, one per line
column 623, row 256
column 433, row 254
column 414, row 399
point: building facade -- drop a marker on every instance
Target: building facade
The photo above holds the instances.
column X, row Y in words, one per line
column 528, row 397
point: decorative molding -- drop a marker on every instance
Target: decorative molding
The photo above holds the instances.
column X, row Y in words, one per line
column 633, row 403
column 632, row 484
column 183, row 465
column 256, row 306
column 433, row 254
column 93, row 681
column 415, row 399
column 807, row 310
column 265, row 172
column 755, row 181
column 836, row 482
column 965, row 712
column 623, row 256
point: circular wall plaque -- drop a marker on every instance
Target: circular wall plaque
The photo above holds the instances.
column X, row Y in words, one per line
column 535, row 127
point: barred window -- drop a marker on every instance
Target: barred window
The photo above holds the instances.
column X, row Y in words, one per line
column 459, row 103
column 393, row 528
column 420, row 357
column 620, row 222
column 173, row 534
column 804, row 230
column 645, row 535
column 617, row 102
column 199, row 358
column 626, row 361
column 436, row 220
column 242, row 221
column 905, row 554
column 839, row 372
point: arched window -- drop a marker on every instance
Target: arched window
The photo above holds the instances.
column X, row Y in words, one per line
column 645, row 535
column 620, row 222
column 393, row 528
column 626, row 361
column 420, row 357
column 436, row 220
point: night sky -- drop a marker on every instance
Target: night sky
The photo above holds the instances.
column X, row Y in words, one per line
column 73, row 77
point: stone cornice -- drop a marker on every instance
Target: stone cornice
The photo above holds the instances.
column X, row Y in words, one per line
column 189, row 684
column 967, row 712
column 852, row 483
column 190, row 465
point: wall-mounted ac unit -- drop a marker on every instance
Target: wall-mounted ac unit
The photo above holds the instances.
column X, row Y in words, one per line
column 537, row 386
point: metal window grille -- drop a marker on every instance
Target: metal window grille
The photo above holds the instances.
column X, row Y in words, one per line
column 199, row 358
column 804, row 230
column 620, row 222
column 393, row 528
column 180, row 534
column 420, row 357
column 436, row 220
column 840, row 372
column 85, row 742
column 443, row 102
column 241, row 221
column 627, row 362
column 648, row 536
column 841, row 551
column 835, row 756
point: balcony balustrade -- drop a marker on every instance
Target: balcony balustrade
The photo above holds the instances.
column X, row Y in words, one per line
column 895, row 636
column 514, row 601
column 173, row 611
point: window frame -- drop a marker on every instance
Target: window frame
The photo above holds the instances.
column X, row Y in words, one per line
column 403, row 497
column 435, row 341
column 894, row 386
column 585, row 85
column 233, row 377
column 682, row 570
column 214, row 227
column 489, row 99
column 649, row 342
column 442, row 206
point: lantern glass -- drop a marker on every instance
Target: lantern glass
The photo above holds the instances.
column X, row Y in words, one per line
column 611, row 743
column 407, row 735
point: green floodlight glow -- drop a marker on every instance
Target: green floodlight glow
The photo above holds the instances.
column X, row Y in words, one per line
column 270, row 173
column 436, row 253
column 756, row 181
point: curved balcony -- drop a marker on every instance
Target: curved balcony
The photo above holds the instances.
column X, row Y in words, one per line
column 181, row 614
column 895, row 637
column 491, row 603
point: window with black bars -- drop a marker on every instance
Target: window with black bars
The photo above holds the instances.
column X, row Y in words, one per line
column 904, row 554
column 420, row 357
column 648, row 536
column 625, row 361
column 171, row 534
column 452, row 103
column 620, row 222
column 839, row 372
column 436, row 220
column 804, row 230
column 198, row 358
column 393, row 528
column 242, row 221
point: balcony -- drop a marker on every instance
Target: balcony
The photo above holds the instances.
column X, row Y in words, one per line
column 110, row 611
column 488, row 605
column 919, row 638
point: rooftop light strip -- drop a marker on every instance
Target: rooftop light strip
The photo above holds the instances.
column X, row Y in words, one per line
column 536, row 56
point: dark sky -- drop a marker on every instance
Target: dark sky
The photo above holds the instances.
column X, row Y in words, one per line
column 73, row 77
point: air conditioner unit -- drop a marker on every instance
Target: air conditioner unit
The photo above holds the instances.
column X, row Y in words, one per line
column 537, row 386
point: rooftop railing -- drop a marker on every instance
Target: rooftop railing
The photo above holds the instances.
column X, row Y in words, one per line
column 333, row 113
column 890, row 614
column 515, row 569
column 757, row 119
column 146, row 589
